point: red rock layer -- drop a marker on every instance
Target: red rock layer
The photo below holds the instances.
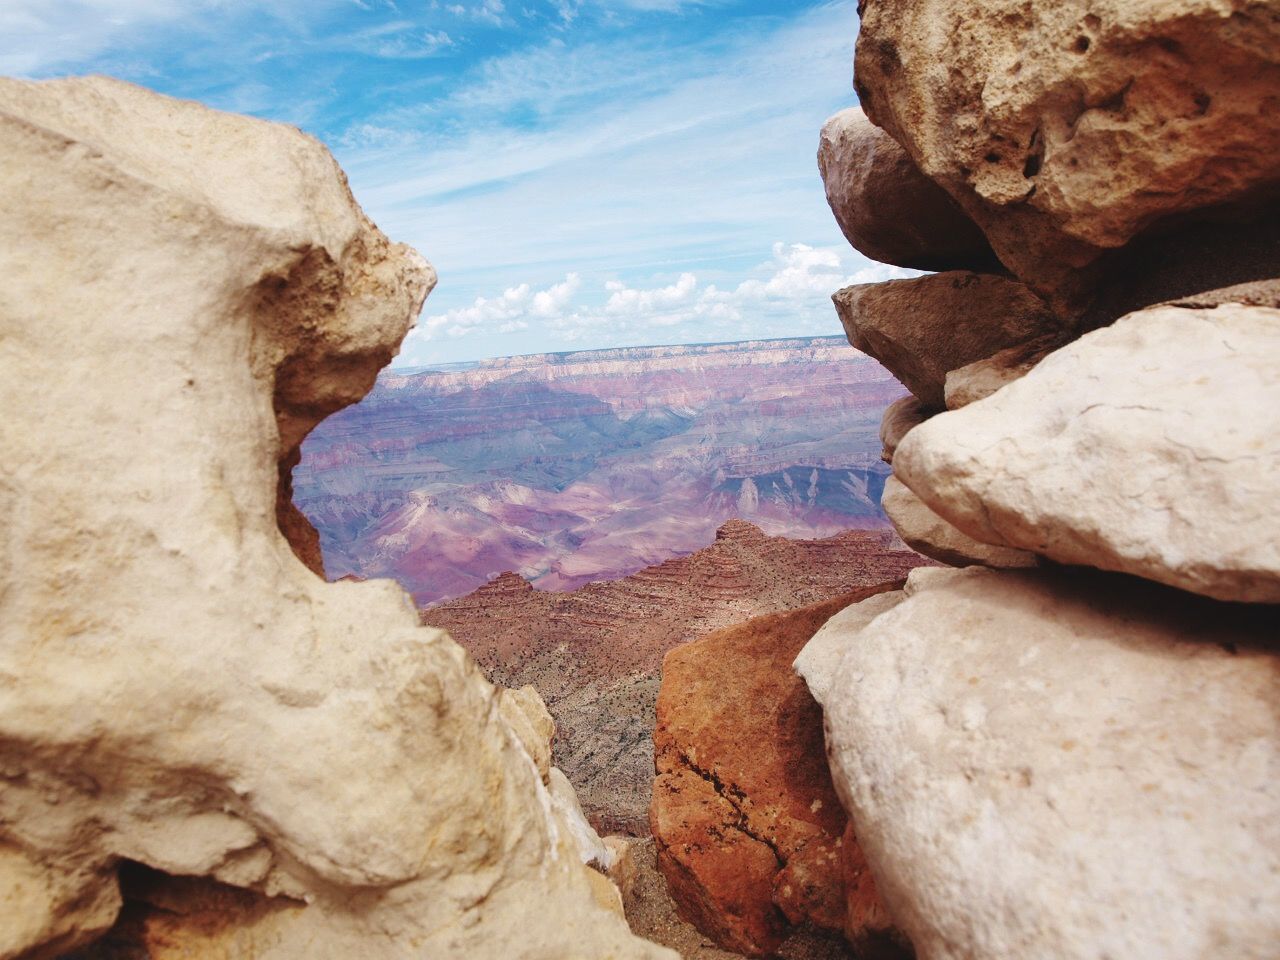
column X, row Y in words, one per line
column 750, row 834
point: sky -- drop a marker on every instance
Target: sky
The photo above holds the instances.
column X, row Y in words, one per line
column 582, row 173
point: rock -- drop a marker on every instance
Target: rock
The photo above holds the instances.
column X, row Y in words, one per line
column 899, row 417
column 887, row 208
column 177, row 918
column 1069, row 765
column 820, row 657
column 922, row 328
column 527, row 715
column 622, row 867
column 186, row 293
column 748, row 830
column 980, row 379
column 1149, row 447
column 1067, row 130
column 925, row 532
column 595, row 653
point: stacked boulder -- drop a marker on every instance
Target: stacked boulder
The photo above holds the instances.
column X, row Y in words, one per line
column 1069, row 747
column 186, row 293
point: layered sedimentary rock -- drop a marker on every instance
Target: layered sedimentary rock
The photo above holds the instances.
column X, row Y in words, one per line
column 592, row 465
column 186, row 293
column 595, row 653
column 922, row 328
column 887, row 208
column 1067, row 130
column 1151, row 447
column 925, row 532
column 750, row 835
column 1061, row 766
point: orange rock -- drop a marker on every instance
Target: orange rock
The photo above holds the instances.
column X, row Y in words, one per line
column 751, row 836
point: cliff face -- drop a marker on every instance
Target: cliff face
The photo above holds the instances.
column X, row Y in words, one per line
column 177, row 690
column 569, row 468
column 595, row 653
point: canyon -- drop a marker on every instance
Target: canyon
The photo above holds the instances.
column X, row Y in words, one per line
column 595, row 654
column 575, row 467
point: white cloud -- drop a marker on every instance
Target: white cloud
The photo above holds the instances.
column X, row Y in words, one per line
column 791, row 295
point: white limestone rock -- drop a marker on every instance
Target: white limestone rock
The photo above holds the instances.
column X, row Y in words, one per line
column 1065, row 765
column 1150, row 447
column 185, row 293
column 925, row 532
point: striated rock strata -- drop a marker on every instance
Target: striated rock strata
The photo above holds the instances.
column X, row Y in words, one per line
column 749, row 832
column 595, row 653
column 1052, row 765
column 592, row 465
column 186, row 293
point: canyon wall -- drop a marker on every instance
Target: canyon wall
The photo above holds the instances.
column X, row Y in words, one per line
column 574, row 467
column 1076, row 758
column 186, row 294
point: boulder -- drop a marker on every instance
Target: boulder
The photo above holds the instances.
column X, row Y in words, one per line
column 899, row 417
column 186, row 293
column 1150, row 447
column 748, row 831
column 1063, row 764
column 980, row 379
column 887, row 208
column 925, row 532
column 1065, row 131
column 924, row 327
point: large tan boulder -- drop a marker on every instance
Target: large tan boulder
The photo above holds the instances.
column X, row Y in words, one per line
column 925, row 532
column 1067, row 766
column 887, row 208
column 749, row 834
column 185, row 293
column 1065, row 130
column 922, row 328
column 1150, row 447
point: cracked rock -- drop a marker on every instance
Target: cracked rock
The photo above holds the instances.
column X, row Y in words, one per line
column 750, row 834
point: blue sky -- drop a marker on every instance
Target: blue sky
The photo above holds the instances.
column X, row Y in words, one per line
column 582, row 173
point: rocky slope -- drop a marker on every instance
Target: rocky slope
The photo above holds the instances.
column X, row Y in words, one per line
column 569, row 468
column 595, row 653
column 177, row 689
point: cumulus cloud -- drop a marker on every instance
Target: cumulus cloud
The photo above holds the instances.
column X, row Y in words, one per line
column 788, row 295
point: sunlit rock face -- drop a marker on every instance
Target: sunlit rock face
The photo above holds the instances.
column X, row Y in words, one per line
column 186, row 293
column 749, row 832
column 1067, row 130
column 570, row 468
column 1053, row 765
